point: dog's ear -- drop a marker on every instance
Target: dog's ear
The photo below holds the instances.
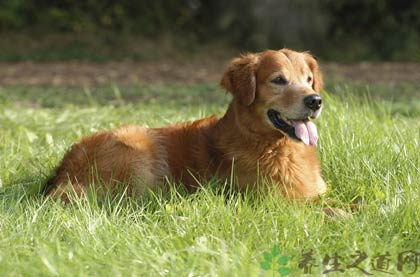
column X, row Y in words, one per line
column 318, row 83
column 240, row 79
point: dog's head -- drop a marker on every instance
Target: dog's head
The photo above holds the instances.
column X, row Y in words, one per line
column 276, row 90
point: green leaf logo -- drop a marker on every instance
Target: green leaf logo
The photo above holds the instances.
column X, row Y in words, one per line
column 284, row 271
column 276, row 262
column 267, row 256
column 283, row 260
column 265, row 265
column 276, row 250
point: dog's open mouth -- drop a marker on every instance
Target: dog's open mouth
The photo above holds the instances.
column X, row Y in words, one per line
column 302, row 130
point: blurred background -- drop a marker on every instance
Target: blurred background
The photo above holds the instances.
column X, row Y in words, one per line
column 102, row 30
column 202, row 35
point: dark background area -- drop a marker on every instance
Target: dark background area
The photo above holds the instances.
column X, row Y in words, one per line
column 95, row 30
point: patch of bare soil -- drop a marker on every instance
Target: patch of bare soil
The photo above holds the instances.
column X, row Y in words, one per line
column 387, row 72
column 84, row 73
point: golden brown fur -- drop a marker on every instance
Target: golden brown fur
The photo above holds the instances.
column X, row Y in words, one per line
column 243, row 139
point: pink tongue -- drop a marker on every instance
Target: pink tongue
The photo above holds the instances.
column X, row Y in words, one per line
column 306, row 131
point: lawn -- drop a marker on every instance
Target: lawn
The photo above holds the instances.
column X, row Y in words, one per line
column 369, row 150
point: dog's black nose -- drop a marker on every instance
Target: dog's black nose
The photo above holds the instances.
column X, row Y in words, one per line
column 313, row 102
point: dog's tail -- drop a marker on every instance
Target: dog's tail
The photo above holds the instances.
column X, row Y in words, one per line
column 49, row 185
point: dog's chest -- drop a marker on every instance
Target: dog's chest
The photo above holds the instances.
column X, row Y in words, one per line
column 276, row 163
column 296, row 166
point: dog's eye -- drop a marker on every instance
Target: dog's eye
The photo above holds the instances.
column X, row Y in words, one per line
column 279, row 81
column 309, row 79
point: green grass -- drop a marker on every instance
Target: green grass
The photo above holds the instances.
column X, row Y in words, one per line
column 369, row 150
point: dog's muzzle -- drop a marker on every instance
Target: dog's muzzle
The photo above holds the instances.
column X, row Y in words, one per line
column 313, row 102
column 299, row 129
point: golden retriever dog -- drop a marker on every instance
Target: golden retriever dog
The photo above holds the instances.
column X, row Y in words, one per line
column 267, row 131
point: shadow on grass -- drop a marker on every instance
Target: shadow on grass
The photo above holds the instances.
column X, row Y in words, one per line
column 169, row 200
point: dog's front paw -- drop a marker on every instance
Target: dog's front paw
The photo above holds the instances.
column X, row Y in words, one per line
column 335, row 212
